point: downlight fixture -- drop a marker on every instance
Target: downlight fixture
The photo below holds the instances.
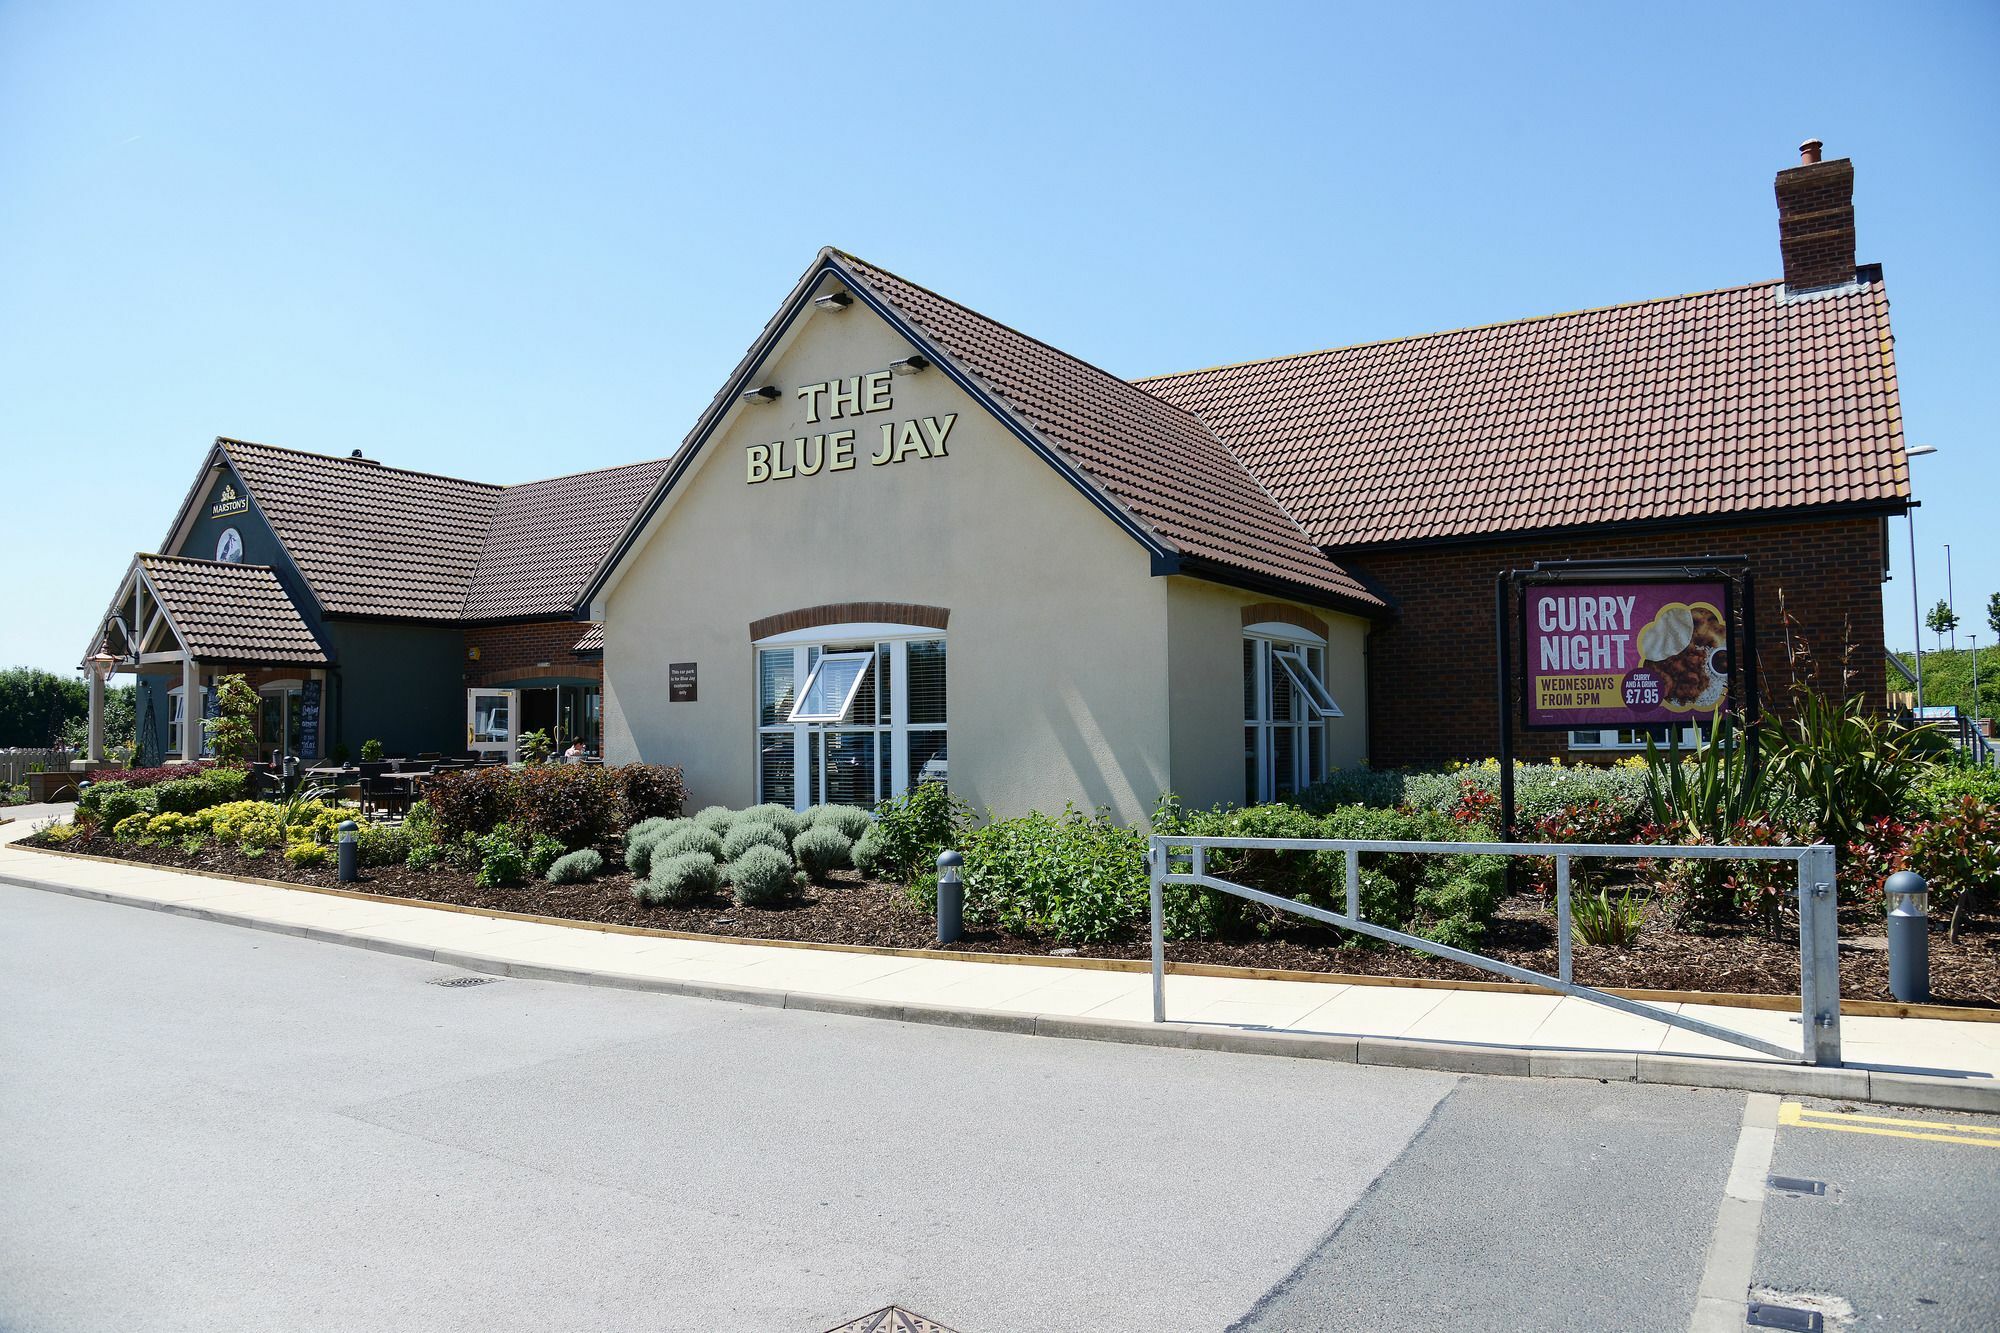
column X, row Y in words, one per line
column 767, row 394
column 834, row 301
column 910, row 365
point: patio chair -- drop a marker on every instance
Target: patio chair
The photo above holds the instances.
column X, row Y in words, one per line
column 384, row 794
column 429, row 756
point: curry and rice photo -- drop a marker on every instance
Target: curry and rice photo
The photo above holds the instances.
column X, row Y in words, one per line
column 1687, row 645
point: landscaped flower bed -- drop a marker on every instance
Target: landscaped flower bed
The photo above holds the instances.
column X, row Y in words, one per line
column 611, row 845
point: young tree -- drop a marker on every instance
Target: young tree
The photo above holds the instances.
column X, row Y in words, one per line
column 232, row 732
column 1941, row 621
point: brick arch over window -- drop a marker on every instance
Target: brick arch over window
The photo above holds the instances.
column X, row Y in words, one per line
column 850, row 613
column 1260, row 613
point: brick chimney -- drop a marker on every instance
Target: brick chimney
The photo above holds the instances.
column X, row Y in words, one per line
column 1816, row 220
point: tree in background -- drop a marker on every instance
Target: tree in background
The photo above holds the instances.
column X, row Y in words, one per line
column 1993, row 614
column 121, row 720
column 36, row 705
column 1941, row 621
column 232, row 732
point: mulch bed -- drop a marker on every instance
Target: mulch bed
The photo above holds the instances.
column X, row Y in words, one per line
column 855, row 911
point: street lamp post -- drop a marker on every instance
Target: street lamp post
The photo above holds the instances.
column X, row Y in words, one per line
column 1949, row 601
column 1916, row 608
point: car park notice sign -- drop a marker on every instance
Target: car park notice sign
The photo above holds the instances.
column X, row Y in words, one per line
column 1624, row 654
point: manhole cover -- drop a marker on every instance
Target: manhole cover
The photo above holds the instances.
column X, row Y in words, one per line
column 456, row 982
column 891, row 1319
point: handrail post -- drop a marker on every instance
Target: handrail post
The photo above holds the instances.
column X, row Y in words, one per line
column 1156, row 854
column 1353, row 884
column 1562, row 917
column 1819, row 957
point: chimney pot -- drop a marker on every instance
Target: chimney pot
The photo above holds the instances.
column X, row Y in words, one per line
column 355, row 454
column 1809, row 152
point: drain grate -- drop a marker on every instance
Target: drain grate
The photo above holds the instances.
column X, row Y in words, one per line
column 456, row 982
column 1789, row 1317
column 1797, row 1185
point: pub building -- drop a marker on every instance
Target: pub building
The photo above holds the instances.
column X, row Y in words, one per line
column 906, row 542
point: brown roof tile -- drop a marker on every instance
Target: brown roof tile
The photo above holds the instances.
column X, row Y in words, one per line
column 1716, row 403
column 1155, row 460
column 231, row 613
column 383, row 541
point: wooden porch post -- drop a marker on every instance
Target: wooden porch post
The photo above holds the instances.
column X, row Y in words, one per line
column 94, row 751
column 191, row 709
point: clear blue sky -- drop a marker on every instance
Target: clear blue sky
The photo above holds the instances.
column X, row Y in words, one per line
column 509, row 241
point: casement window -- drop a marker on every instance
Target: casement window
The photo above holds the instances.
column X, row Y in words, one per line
column 176, row 720
column 1629, row 738
column 1286, row 706
column 850, row 714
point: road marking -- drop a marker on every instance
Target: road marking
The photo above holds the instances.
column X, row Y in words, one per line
column 1849, row 1122
column 1721, row 1302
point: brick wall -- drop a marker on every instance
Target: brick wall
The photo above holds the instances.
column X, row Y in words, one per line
column 1430, row 672
column 517, row 650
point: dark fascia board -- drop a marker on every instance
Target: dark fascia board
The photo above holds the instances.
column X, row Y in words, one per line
column 828, row 263
column 1210, row 571
column 1678, row 523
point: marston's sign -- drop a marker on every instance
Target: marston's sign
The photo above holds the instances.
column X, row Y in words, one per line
column 1624, row 654
column 228, row 502
column 834, row 451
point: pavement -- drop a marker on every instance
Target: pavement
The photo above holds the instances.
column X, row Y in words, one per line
column 217, row 1129
column 1944, row 1064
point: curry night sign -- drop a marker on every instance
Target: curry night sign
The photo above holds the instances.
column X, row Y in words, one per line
column 853, row 398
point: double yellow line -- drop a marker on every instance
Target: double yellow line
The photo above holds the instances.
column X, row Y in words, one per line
column 1850, row 1122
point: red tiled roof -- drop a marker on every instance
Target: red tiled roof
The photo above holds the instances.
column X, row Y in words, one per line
column 370, row 540
column 546, row 537
column 1156, row 461
column 383, row 541
column 1717, row 403
column 231, row 613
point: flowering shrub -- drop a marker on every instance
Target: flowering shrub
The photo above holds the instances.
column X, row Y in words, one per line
column 578, row 805
column 1959, row 854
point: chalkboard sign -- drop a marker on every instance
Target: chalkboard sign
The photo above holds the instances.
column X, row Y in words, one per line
column 680, row 682
column 309, row 721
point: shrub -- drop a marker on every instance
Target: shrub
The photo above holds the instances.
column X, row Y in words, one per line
column 911, row 830
column 867, row 854
column 1354, row 786
column 140, row 777
column 657, row 826
column 575, row 868
column 821, row 850
column 762, row 876
column 1848, row 764
column 1940, row 787
column 307, row 855
column 216, row 786
column 501, row 862
column 382, row 844
column 132, row 828
column 471, row 801
column 648, row 791
column 1540, row 790
column 645, row 837
column 781, row 817
column 1073, row 877
column 1959, row 854
column 371, row 751
column 716, row 819
column 851, row 820
column 540, row 852
column 679, row 880
column 747, row 833
column 232, row 732
column 576, row 804
column 1600, row 921
column 171, row 827
column 694, row 838
column 113, row 808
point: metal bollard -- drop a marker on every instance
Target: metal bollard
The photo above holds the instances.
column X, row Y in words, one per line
column 950, row 898
column 350, row 852
column 1909, row 936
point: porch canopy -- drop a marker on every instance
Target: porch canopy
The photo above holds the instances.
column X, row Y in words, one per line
column 170, row 609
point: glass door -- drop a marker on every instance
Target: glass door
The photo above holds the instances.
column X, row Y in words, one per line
column 489, row 723
column 280, row 722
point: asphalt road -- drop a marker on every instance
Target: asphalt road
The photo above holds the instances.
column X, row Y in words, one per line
column 210, row 1128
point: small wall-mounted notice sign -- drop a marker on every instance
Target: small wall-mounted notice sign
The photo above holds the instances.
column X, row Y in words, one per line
column 680, row 682
column 1624, row 654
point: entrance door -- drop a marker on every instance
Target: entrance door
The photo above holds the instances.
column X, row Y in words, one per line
column 489, row 722
column 280, row 720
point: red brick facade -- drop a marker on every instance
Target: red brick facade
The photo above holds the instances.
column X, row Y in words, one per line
column 1430, row 671
column 528, row 650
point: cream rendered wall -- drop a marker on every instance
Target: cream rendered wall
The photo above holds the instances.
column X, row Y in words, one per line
column 1057, row 666
column 1205, row 686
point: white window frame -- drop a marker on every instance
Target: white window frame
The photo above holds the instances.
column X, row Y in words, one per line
column 1609, row 738
column 800, row 711
column 176, row 719
column 1282, row 647
column 811, row 646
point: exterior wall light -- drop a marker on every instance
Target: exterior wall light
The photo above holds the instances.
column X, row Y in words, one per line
column 833, row 301
column 767, row 394
column 910, row 365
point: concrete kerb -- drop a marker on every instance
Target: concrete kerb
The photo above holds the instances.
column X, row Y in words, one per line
column 1929, row 1092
